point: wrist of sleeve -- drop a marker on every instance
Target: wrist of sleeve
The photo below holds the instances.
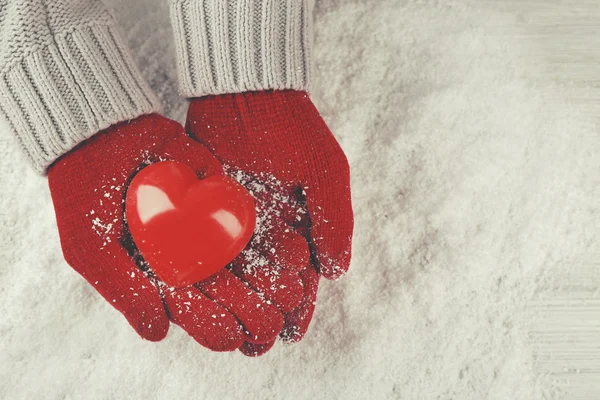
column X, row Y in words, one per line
column 245, row 45
column 75, row 85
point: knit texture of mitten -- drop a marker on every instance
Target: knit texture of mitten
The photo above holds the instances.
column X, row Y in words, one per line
column 238, row 46
column 64, row 75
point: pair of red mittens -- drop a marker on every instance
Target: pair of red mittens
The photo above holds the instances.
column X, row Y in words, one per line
column 279, row 147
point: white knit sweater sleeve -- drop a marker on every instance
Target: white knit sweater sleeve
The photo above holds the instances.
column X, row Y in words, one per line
column 65, row 74
column 231, row 46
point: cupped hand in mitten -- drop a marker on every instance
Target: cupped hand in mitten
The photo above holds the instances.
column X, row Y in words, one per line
column 279, row 137
column 240, row 305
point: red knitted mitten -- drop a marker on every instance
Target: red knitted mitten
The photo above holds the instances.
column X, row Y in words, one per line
column 280, row 137
column 225, row 311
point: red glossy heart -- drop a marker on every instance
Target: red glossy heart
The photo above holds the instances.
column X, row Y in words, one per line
column 187, row 229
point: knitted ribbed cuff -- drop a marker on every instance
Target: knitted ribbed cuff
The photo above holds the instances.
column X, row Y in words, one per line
column 243, row 45
column 63, row 93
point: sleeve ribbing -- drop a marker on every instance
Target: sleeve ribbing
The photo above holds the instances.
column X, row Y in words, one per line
column 232, row 46
column 65, row 74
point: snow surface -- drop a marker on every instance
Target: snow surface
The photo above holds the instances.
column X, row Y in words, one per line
column 472, row 179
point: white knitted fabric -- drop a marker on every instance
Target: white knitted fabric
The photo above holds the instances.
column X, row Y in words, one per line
column 65, row 74
column 231, row 46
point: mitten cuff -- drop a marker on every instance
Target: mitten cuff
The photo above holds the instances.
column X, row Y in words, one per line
column 63, row 92
column 245, row 45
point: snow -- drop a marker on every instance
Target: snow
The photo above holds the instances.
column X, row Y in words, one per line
column 473, row 178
